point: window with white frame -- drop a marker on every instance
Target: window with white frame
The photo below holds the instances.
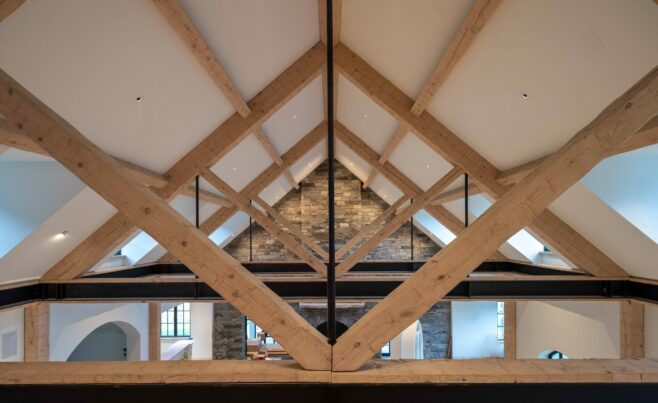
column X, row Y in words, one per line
column 176, row 321
column 500, row 321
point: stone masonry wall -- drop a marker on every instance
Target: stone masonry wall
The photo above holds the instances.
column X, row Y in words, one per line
column 354, row 209
column 229, row 337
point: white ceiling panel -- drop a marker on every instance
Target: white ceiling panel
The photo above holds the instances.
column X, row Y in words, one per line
column 419, row 162
column 276, row 190
column 572, row 59
column 363, row 116
column 243, row 163
column 296, row 118
column 305, row 165
column 90, row 61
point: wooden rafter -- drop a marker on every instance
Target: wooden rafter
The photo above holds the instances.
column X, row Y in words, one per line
column 371, row 227
column 399, row 220
column 515, row 210
column 276, row 231
column 9, row 6
column 569, row 244
column 106, row 177
column 297, row 232
column 388, row 151
column 477, row 18
column 274, row 154
column 301, row 148
column 223, row 139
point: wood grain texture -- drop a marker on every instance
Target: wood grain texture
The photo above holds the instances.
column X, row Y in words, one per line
column 631, row 329
column 516, row 209
column 36, row 332
column 510, row 330
column 154, row 331
column 151, row 213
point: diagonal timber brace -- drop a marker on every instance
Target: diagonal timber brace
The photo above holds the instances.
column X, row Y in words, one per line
column 516, row 209
column 150, row 212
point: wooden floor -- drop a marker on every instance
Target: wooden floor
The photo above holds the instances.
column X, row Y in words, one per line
column 429, row 371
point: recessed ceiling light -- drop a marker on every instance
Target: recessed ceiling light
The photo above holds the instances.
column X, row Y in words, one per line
column 138, row 99
column 235, row 169
column 427, row 165
column 351, row 164
column 294, row 116
column 61, row 235
column 365, row 115
column 524, row 95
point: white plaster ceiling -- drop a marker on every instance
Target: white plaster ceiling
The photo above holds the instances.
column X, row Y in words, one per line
column 419, row 162
column 90, row 60
column 243, row 163
column 572, row 58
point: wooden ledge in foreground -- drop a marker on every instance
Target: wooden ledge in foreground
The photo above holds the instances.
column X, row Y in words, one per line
column 374, row 372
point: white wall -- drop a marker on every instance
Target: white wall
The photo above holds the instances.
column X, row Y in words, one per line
column 474, row 330
column 201, row 330
column 11, row 322
column 579, row 329
column 71, row 323
column 650, row 331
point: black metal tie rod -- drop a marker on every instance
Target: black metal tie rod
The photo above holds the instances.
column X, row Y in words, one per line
column 331, row 275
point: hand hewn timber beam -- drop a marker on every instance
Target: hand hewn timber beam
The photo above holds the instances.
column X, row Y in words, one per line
column 36, row 334
column 510, row 330
column 271, row 227
column 370, row 227
column 388, row 151
column 587, row 257
column 631, row 329
column 9, row 6
column 479, row 15
column 151, row 213
column 297, row 232
column 516, row 209
column 155, row 312
column 399, row 220
column 110, row 235
column 301, row 148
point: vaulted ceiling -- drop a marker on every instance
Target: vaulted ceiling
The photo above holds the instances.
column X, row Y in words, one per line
column 534, row 75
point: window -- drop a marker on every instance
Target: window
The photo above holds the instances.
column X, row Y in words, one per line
column 175, row 322
column 386, row 351
column 253, row 329
column 500, row 321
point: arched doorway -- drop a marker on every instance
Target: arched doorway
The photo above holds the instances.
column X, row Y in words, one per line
column 113, row 341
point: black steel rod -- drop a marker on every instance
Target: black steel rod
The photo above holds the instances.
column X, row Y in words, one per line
column 250, row 238
column 411, row 228
column 465, row 200
column 197, row 200
column 331, row 275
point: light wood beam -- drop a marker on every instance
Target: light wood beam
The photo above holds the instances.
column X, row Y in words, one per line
column 370, row 227
column 631, row 329
column 154, row 330
column 398, row 221
column 9, row 6
column 110, row 235
column 456, row 151
column 276, row 231
column 297, row 232
column 187, row 31
column 455, row 194
column 388, row 151
column 516, row 209
column 36, row 332
column 301, row 148
column 477, row 18
column 151, row 213
column 271, row 151
column 510, row 330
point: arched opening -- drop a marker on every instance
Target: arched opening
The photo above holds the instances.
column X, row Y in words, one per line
column 552, row 354
column 113, row 341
